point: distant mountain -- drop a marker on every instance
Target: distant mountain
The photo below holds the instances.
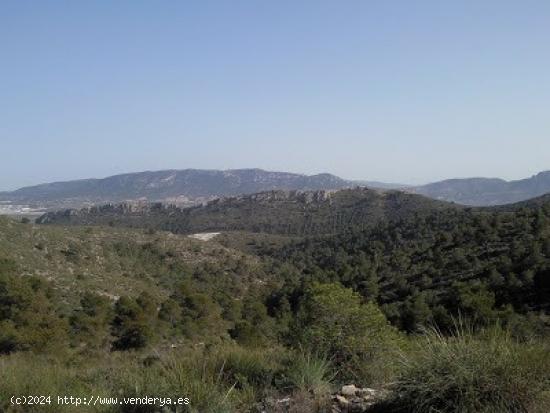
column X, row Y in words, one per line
column 381, row 185
column 486, row 191
column 542, row 201
column 190, row 187
column 275, row 212
column 182, row 187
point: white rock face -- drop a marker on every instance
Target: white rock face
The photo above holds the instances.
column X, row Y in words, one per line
column 204, row 236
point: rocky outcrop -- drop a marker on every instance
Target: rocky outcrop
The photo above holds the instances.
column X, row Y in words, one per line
column 296, row 213
column 352, row 399
column 349, row 399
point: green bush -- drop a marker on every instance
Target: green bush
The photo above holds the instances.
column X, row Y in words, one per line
column 28, row 317
column 133, row 324
column 245, row 366
column 333, row 320
column 484, row 373
column 90, row 322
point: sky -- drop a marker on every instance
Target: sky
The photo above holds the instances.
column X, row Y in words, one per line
column 395, row 91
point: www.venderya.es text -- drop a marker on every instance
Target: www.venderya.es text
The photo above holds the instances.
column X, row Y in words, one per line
column 94, row 400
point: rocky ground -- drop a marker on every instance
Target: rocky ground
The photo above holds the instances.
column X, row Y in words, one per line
column 356, row 400
column 349, row 399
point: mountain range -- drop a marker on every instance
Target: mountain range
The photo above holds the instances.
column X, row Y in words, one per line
column 181, row 187
column 190, row 187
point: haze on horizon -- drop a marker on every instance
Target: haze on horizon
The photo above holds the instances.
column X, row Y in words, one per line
column 408, row 92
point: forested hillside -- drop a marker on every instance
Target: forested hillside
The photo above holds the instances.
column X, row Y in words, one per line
column 276, row 212
column 420, row 260
column 485, row 264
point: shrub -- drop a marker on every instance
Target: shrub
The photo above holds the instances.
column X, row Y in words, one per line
column 310, row 373
column 333, row 320
column 133, row 324
column 488, row 373
column 28, row 318
column 256, row 329
column 242, row 367
column 90, row 322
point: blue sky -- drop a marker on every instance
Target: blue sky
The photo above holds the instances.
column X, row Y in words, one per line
column 403, row 91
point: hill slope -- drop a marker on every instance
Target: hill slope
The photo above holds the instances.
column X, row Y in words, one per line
column 275, row 212
column 116, row 261
column 477, row 262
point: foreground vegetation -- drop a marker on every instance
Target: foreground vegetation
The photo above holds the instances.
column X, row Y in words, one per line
column 484, row 372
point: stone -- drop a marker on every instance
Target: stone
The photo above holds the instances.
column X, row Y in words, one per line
column 284, row 400
column 342, row 401
column 367, row 392
column 349, row 390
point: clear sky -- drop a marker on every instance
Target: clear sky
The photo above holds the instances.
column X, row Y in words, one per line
column 404, row 91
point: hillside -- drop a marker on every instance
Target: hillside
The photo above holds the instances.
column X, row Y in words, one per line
column 420, row 252
column 275, row 212
column 486, row 191
column 116, row 261
column 484, row 263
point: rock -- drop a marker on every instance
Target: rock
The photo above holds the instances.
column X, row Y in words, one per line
column 366, row 392
column 349, row 390
column 342, row 401
column 353, row 399
column 285, row 401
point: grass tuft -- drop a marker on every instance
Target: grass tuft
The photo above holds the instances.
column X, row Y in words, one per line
column 484, row 373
